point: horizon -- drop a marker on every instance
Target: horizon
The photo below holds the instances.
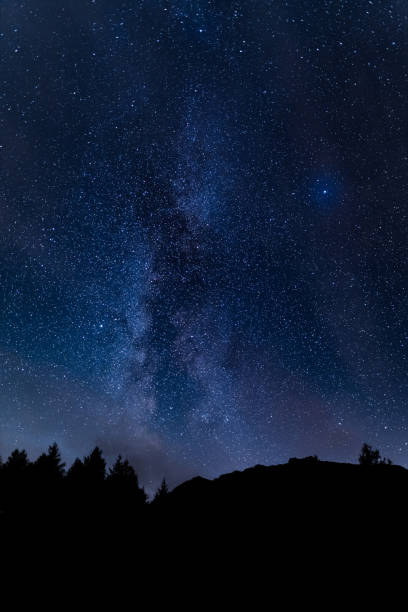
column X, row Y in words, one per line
column 151, row 487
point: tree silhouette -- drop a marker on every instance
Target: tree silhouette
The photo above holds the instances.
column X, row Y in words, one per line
column 49, row 465
column 95, row 466
column 122, row 472
column 76, row 472
column 17, row 463
column 371, row 456
column 368, row 455
column 123, row 490
column 161, row 492
column 15, row 482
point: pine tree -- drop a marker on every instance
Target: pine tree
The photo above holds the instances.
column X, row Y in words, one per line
column 17, row 463
column 49, row 465
column 161, row 492
column 76, row 471
column 122, row 472
column 15, row 483
column 95, row 466
column 123, row 486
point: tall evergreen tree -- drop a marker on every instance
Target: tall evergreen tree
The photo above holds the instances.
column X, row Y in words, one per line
column 15, row 482
column 17, row 463
column 49, row 465
column 161, row 492
column 95, row 466
column 122, row 472
column 76, row 471
column 123, row 481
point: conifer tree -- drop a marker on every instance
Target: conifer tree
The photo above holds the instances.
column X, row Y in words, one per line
column 95, row 466
column 49, row 465
column 161, row 492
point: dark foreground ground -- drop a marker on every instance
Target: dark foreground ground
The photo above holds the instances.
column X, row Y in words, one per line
column 304, row 498
column 308, row 524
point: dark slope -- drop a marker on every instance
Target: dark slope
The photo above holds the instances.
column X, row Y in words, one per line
column 297, row 480
column 285, row 520
column 304, row 499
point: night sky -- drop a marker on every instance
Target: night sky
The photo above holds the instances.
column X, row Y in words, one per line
column 204, row 231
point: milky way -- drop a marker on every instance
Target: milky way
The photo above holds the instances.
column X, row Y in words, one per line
column 203, row 252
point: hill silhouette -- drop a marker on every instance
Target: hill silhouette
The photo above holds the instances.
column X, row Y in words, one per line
column 303, row 492
column 295, row 523
column 304, row 501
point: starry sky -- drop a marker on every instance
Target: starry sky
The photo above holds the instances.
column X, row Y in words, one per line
column 204, row 249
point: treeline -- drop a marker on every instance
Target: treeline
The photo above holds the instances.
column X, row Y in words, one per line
column 45, row 488
column 90, row 492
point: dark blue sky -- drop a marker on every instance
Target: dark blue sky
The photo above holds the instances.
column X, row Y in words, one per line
column 203, row 255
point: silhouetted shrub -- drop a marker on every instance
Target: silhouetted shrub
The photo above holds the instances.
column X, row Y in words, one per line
column 371, row 456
